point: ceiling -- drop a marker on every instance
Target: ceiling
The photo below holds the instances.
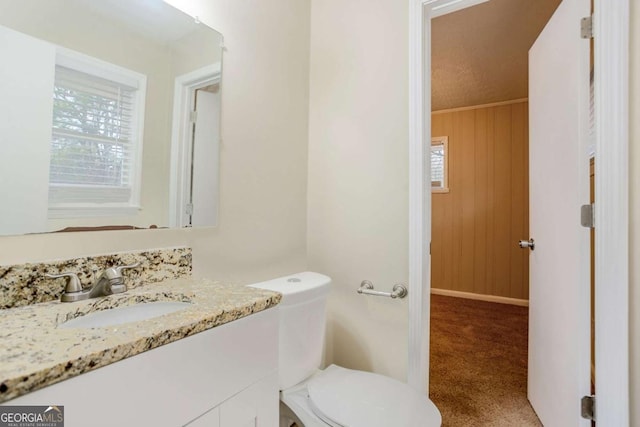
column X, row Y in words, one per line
column 479, row 54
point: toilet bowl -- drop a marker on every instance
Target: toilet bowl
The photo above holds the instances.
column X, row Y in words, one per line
column 335, row 396
column 341, row 397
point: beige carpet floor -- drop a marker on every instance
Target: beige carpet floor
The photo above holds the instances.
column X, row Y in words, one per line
column 479, row 363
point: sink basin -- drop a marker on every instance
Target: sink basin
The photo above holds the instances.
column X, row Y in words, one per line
column 120, row 315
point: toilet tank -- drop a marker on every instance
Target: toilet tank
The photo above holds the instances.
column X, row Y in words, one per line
column 302, row 318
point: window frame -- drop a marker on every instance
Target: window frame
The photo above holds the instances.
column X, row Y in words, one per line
column 87, row 64
column 444, row 141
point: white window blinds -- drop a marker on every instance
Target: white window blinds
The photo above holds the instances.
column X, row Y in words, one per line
column 438, row 158
column 437, row 165
column 95, row 139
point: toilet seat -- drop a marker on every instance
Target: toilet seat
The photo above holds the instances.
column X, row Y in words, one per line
column 343, row 397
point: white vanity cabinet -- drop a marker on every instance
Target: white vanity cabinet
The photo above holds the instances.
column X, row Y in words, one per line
column 208, row 419
column 254, row 406
column 223, row 377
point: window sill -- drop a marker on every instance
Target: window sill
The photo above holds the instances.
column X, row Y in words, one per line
column 439, row 190
column 60, row 212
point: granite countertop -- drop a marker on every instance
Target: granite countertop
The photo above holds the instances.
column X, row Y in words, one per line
column 34, row 353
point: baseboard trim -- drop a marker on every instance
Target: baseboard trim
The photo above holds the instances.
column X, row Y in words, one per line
column 481, row 297
column 477, row 107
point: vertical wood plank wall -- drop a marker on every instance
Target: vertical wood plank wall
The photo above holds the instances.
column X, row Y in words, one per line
column 477, row 224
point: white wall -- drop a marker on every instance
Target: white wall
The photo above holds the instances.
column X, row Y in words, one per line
column 262, row 231
column 634, row 215
column 358, row 179
column 26, row 85
column 194, row 51
column 264, row 136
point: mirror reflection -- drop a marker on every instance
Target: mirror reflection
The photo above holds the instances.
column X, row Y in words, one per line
column 109, row 116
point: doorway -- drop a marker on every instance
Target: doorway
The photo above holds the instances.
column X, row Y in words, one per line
column 612, row 24
column 195, row 147
column 479, row 95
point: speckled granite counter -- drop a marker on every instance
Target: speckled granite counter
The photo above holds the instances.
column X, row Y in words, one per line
column 34, row 353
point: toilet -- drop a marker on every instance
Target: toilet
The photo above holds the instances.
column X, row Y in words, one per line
column 335, row 396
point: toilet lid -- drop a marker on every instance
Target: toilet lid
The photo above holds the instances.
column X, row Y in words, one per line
column 344, row 397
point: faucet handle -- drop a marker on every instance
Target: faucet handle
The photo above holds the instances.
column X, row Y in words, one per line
column 73, row 284
column 125, row 267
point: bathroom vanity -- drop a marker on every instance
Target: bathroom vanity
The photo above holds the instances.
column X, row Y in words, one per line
column 213, row 363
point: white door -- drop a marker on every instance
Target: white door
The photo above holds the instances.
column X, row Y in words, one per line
column 559, row 353
column 205, row 159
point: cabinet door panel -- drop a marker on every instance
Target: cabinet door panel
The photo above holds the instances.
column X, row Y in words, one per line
column 255, row 406
column 209, row 419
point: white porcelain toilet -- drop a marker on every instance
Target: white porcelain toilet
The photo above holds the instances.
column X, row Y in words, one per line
column 335, row 396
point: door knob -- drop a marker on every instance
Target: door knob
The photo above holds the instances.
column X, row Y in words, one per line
column 527, row 244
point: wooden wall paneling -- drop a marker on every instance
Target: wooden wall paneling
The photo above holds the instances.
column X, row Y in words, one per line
column 445, row 276
column 491, row 200
column 437, row 249
column 437, row 222
column 502, row 185
column 466, row 196
column 480, row 200
column 525, row 268
column 477, row 224
column 519, row 171
column 455, row 181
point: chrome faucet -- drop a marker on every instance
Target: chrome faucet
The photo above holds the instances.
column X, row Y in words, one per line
column 109, row 282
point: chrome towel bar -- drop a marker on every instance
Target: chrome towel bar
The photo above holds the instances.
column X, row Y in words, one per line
column 366, row 287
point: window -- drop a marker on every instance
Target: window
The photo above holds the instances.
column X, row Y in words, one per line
column 439, row 164
column 96, row 138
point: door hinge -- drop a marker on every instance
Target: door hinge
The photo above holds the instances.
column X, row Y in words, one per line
column 193, row 116
column 188, row 209
column 587, row 216
column 586, row 27
column 588, row 407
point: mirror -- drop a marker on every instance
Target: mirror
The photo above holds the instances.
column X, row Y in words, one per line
column 109, row 116
column 440, row 164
